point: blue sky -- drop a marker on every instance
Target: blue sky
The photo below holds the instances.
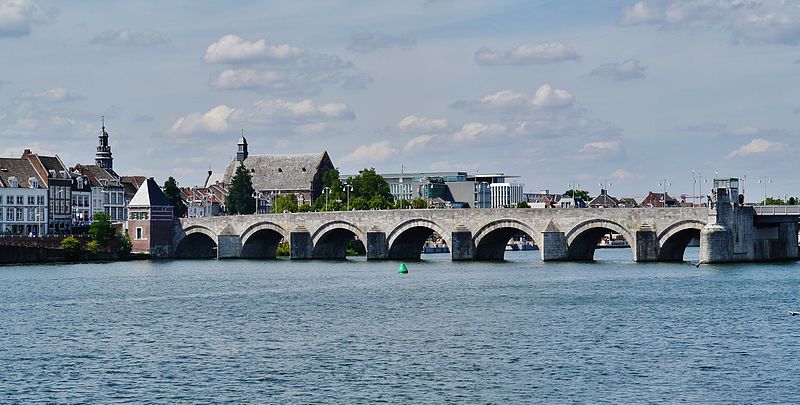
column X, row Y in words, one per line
column 629, row 92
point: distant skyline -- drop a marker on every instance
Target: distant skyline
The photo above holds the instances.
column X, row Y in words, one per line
column 626, row 92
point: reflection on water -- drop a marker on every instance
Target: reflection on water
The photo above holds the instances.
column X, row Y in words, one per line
column 356, row 331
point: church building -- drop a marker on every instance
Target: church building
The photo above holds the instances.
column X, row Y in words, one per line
column 273, row 175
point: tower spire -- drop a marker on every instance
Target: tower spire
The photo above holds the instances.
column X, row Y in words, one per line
column 241, row 153
column 103, row 156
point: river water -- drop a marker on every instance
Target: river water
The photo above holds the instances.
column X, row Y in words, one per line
column 358, row 332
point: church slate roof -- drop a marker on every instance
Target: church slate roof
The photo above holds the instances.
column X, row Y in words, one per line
column 97, row 175
column 149, row 195
column 281, row 172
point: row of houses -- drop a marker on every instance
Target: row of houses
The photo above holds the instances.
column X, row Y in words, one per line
column 545, row 199
column 41, row 194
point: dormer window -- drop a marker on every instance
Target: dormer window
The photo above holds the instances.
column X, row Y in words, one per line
column 13, row 181
column 34, row 182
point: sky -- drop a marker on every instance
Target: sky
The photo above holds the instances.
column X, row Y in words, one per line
column 635, row 94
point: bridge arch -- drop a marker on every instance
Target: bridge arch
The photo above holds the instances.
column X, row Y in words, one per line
column 674, row 239
column 330, row 240
column 406, row 240
column 261, row 240
column 583, row 238
column 196, row 241
column 491, row 239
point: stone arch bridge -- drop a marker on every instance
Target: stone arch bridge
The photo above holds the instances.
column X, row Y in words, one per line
column 654, row 234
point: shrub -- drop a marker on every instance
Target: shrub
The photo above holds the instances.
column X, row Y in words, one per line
column 71, row 246
column 93, row 247
column 283, row 249
column 123, row 244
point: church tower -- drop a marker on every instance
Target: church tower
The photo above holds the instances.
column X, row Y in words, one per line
column 241, row 154
column 103, row 156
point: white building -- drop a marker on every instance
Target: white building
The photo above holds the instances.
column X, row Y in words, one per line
column 506, row 195
column 23, row 199
column 81, row 199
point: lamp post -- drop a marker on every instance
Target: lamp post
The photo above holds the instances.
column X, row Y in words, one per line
column 664, row 183
column 327, row 191
column 764, row 180
column 349, row 188
column 255, row 197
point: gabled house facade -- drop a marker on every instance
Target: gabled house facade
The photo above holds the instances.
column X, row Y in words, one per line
column 23, row 199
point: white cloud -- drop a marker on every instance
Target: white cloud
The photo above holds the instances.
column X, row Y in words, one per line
column 621, row 174
column 601, row 147
column 413, row 123
column 748, row 21
column 418, row 142
column 375, row 152
column 54, row 95
column 18, row 16
column 759, row 146
column 306, row 116
column 234, row 49
column 472, row 131
column 627, row 70
column 214, row 120
column 527, row 54
column 546, row 97
column 130, row 38
column 365, row 42
column 280, row 69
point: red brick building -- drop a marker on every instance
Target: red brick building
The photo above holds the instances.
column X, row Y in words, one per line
column 150, row 221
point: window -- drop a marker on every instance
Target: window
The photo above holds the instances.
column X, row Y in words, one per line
column 13, row 181
column 31, row 200
column 40, row 200
column 9, row 214
column 20, row 200
column 10, row 200
column 20, row 216
column 31, row 214
column 138, row 233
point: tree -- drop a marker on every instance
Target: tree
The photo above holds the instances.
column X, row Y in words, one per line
column 582, row 194
column 370, row 191
column 523, row 204
column 419, row 203
column 774, row 201
column 240, row 196
column 124, row 244
column 285, row 203
column 101, row 230
column 792, row 201
column 173, row 194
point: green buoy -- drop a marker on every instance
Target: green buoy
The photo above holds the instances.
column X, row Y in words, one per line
column 402, row 269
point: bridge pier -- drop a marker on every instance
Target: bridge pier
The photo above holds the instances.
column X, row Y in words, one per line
column 646, row 244
column 300, row 244
column 463, row 247
column 554, row 243
column 376, row 245
column 229, row 245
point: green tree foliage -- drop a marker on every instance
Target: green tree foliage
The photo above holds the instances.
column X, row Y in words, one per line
column 173, row 194
column 582, row 194
column 523, row 204
column 774, row 201
column 370, row 191
column 283, row 249
column 419, row 203
column 285, row 203
column 101, row 230
column 71, row 246
column 240, row 196
column 93, row 247
column 792, row 201
column 124, row 244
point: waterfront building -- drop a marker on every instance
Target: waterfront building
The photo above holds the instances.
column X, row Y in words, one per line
column 23, row 199
column 543, row 199
column 273, row 175
column 570, row 201
column 58, row 181
column 108, row 193
column 81, row 200
column 604, row 200
column 202, row 201
column 506, row 195
column 130, row 185
column 657, row 200
column 150, row 220
column 455, row 188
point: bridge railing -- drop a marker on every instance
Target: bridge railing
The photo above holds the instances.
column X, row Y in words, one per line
column 777, row 209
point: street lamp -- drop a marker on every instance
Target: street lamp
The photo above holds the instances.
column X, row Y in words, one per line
column 255, row 197
column 327, row 191
column 664, row 183
column 349, row 188
column 765, row 180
